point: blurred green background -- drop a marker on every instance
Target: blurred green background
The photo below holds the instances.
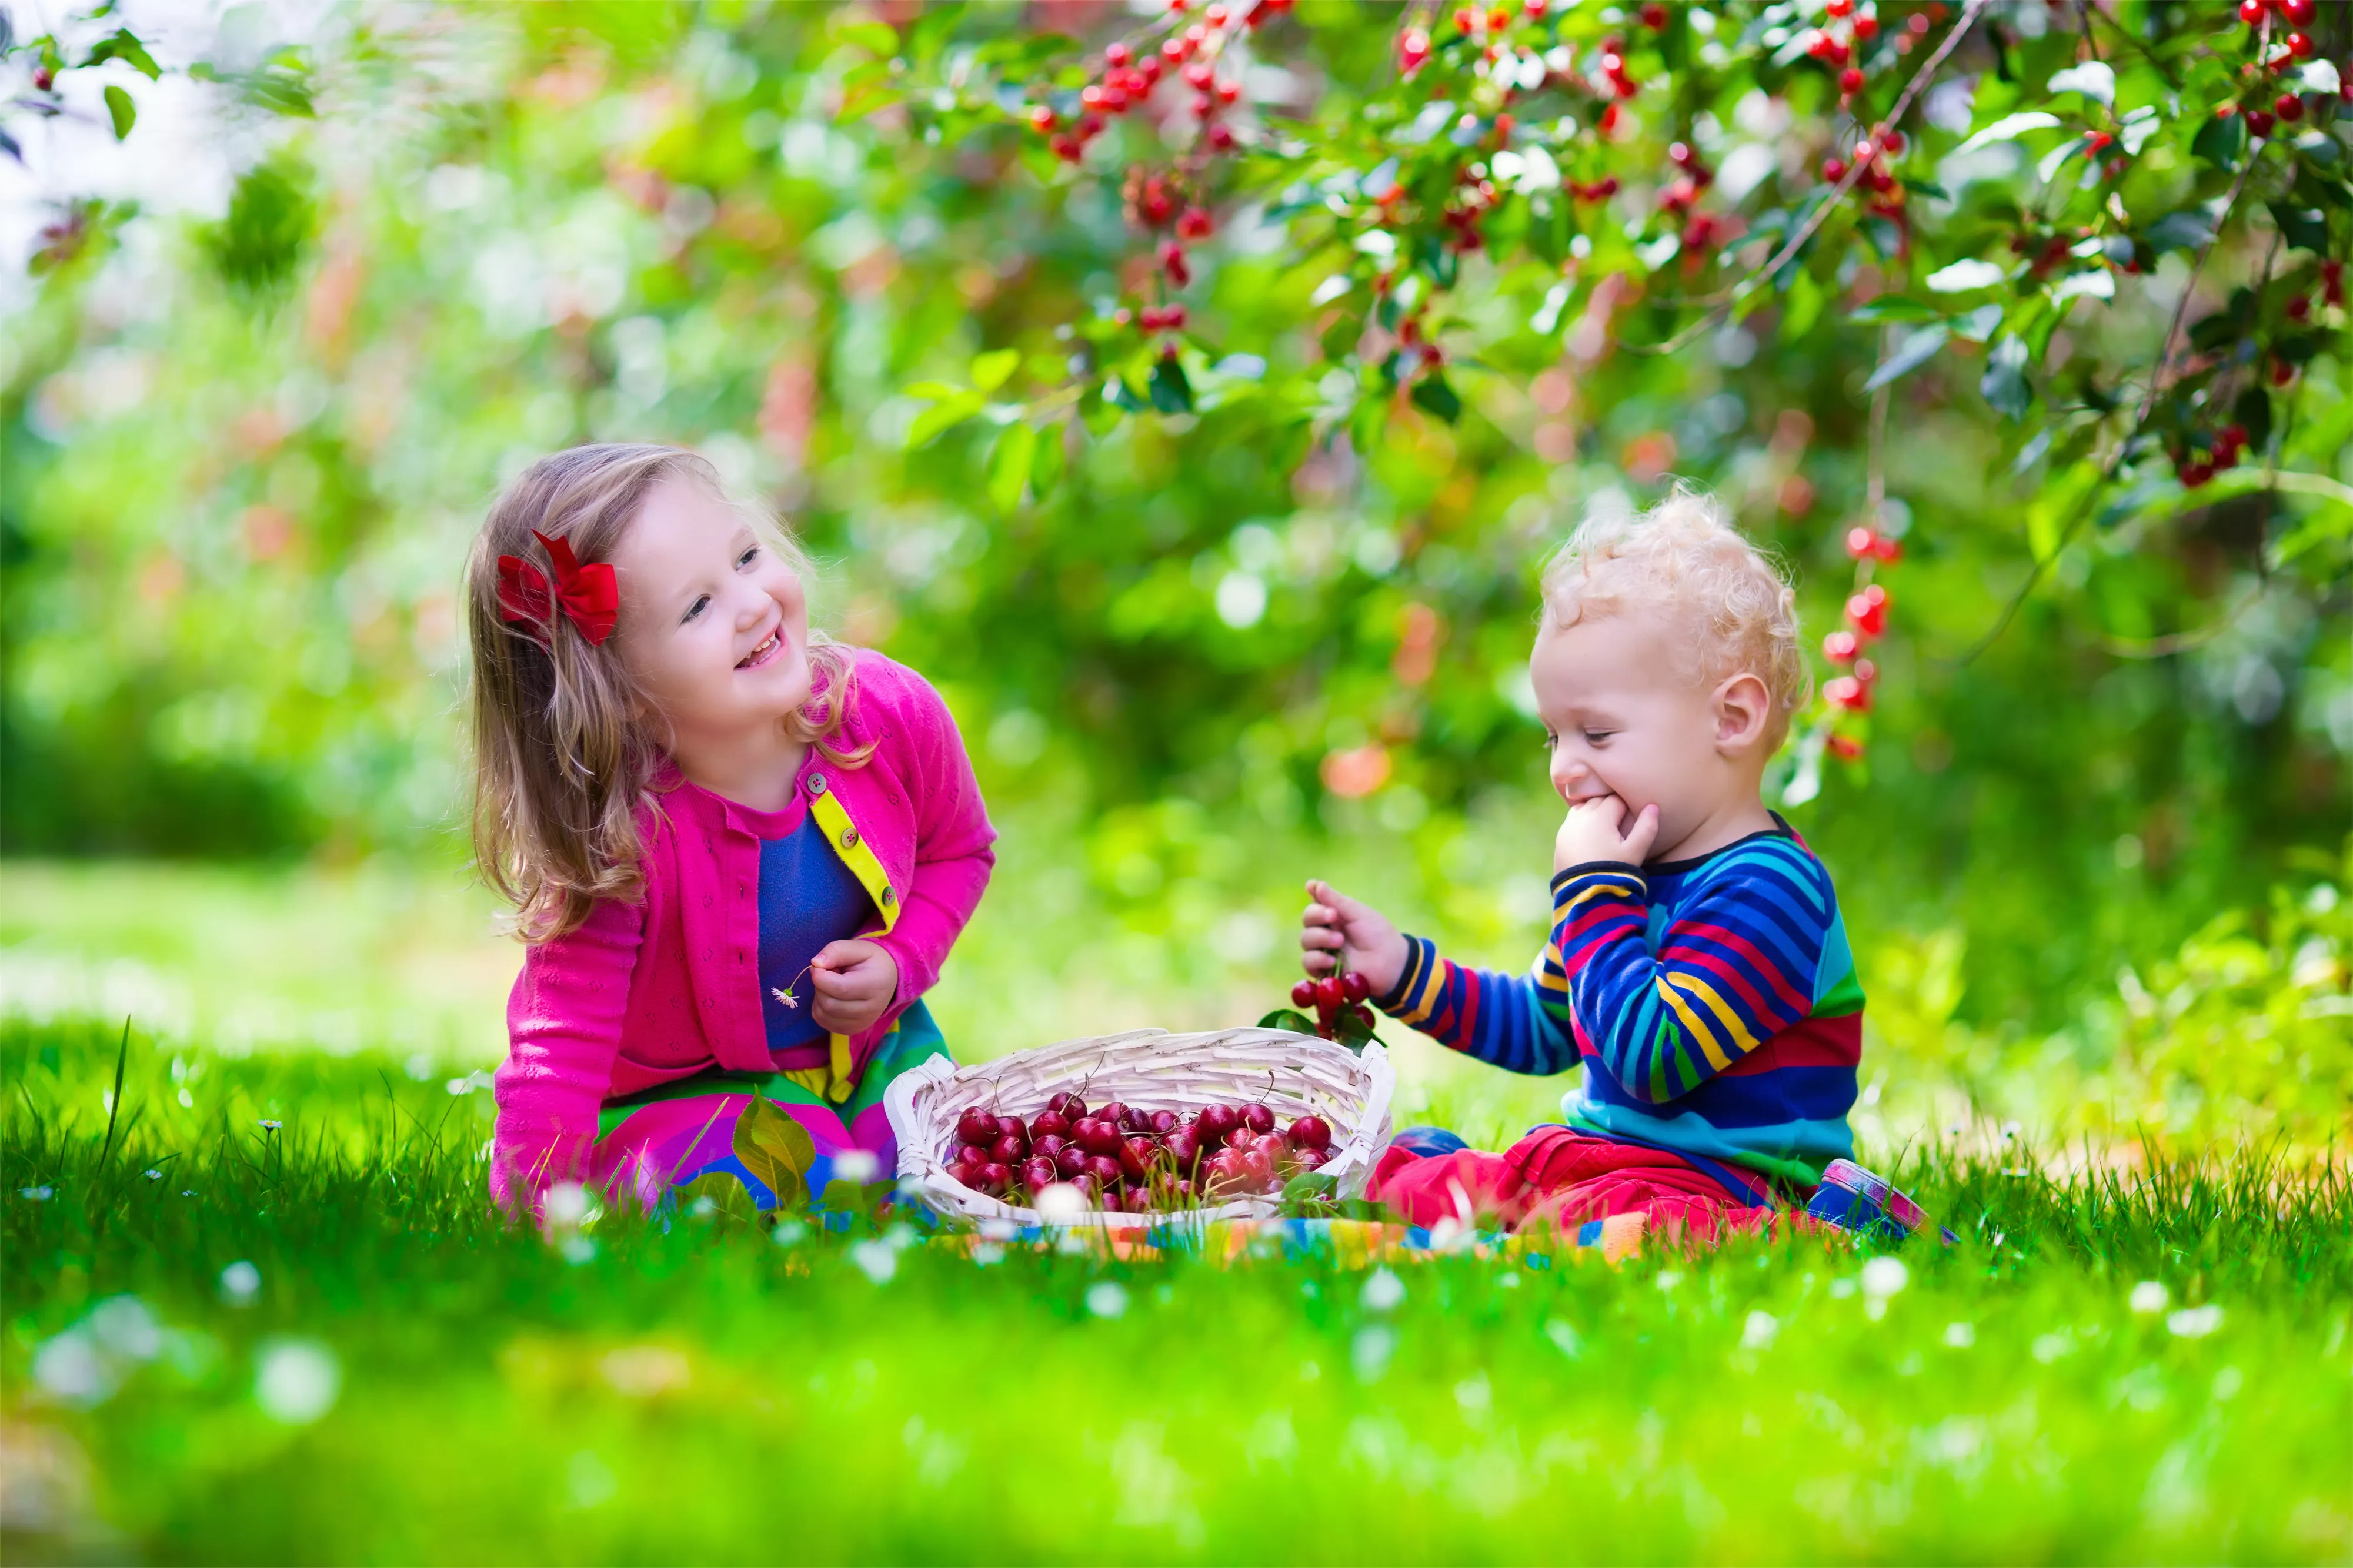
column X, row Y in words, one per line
column 242, row 450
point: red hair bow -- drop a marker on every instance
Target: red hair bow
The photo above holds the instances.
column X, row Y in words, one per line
column 588, row 593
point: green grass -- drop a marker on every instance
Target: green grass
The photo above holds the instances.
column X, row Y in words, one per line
column 716, row 1393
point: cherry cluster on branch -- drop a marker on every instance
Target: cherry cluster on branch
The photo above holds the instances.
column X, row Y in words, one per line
column 1521, row 172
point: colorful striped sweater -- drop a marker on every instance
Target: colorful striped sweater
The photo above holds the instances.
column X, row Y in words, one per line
column 1713, row 1002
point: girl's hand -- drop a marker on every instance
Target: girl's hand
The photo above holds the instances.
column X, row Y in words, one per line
column 1598, row 829
column 854, row 981
column 1338, row 932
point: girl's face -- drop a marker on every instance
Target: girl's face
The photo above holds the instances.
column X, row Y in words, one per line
column 714, row 626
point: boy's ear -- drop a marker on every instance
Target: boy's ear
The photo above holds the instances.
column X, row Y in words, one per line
column 1742, row 708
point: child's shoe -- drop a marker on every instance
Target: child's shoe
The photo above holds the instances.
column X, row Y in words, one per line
column 1853, row 1199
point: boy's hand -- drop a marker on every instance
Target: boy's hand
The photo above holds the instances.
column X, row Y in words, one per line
column 1597, row 829
column 854, row 981
column 1338, row 932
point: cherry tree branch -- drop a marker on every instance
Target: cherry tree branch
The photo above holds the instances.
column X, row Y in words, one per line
column 1822, row 213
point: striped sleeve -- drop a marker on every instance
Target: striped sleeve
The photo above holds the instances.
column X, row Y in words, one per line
column 1517, row 1022
column 1664, row 1014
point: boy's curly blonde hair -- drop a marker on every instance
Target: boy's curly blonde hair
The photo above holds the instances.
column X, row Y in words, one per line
column 1685, row 558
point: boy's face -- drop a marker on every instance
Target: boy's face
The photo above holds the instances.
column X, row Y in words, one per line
column 1623, row 719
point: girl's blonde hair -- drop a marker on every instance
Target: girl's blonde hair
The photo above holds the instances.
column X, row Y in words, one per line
column 565, row 747
column 1685, row 558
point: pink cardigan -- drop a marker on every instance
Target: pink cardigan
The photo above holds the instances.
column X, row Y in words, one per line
column 645, row 992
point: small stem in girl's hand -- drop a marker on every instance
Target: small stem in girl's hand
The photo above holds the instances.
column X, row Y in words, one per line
column 784, row 992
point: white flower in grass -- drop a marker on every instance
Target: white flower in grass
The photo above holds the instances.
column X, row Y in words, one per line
column 2194, row 1322
column 567, row 1206
column 152, row 1175
column 783, row 994
column 1062, row 1203
column 268, row 1126
column 240, row 1282
column 998, row 1230
column 2149, row 1298
column 297, row 1381
column 1884, row 1277
column 856, row 1166
column 1383, row 1292
column 878, row 1260
column 1106, row 1299
column 71, row 1367
column 37, row 1194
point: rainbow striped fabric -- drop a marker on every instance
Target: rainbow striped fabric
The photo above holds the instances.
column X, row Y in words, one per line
column 1713, row 1002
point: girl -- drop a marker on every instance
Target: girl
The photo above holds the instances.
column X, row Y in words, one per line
column 739, row 852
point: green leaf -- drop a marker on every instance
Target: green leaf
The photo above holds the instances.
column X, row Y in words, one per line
column 2221, row 140
column 1288, row 1019
column 124, row 113
column 989, row 370
column 1008, row 465
column 1894, row 307
column 926, row 37
column 1119, row 394
column 1046, row 462
column 1910, row 354
column 2004, row 382
column 940, row 416
column 2303, row 227
column 1171, row 393
column 875, row 37
column 2254, row 410
column 1434, row 394
column 124, row 45
column 2184, row 230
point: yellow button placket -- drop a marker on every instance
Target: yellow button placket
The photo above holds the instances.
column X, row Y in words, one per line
column 849, row 845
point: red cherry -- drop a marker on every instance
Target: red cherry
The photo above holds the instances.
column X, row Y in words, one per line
column 976, row 1126
column 1007, row 1150
column 1840, row 7
column 1840, row 647
column 2259, row 123
column 1068, row 149
column 1867, row 612
column 2282, row 373
column 1353, row 986
column 1163, row 1123
column 1413, row 49
column 1866, row 27
column 1259, row 1119
column 2289, row 107
column 1184, row 1146
column 1049, row 1145
column 2300, row 45
column 1038, row 1173
column 1859, row 541
column 1041, row 119
column 1228, row 91
column 994, row 1178
column 1302, row 996
column 1887, row 549
column 2251, row 12
column 1329, row 992
column 1866, row 671
column 1174, row 51
column 1833, row 170
column 2299, row 306
column 1466, row 20
column 1137, row 1156
column 1118, row 55
column 2299, row 13
column 1104, row 1170
column 1217, row 1120
column 1311, row 1133
column 43, row 79
column 1654, row 15
column 1071, row 1161
column 1222, row 139
column 2196, row 474
column 1194, row 224
column 1851, row 80
column 1311, row 1159
column 1848, row 693
column 1846, row 747
column 1216, row 15
column 1111, row 1111
column 1891, row 142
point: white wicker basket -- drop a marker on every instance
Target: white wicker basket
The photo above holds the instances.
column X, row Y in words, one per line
column 1152, row 1070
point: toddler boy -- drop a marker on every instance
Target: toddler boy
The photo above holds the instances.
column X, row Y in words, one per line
column 1698, row 966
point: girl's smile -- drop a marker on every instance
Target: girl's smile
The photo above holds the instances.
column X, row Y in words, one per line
column 766, row 650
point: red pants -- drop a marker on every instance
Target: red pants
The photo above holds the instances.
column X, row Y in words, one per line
column 1563, row 1178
